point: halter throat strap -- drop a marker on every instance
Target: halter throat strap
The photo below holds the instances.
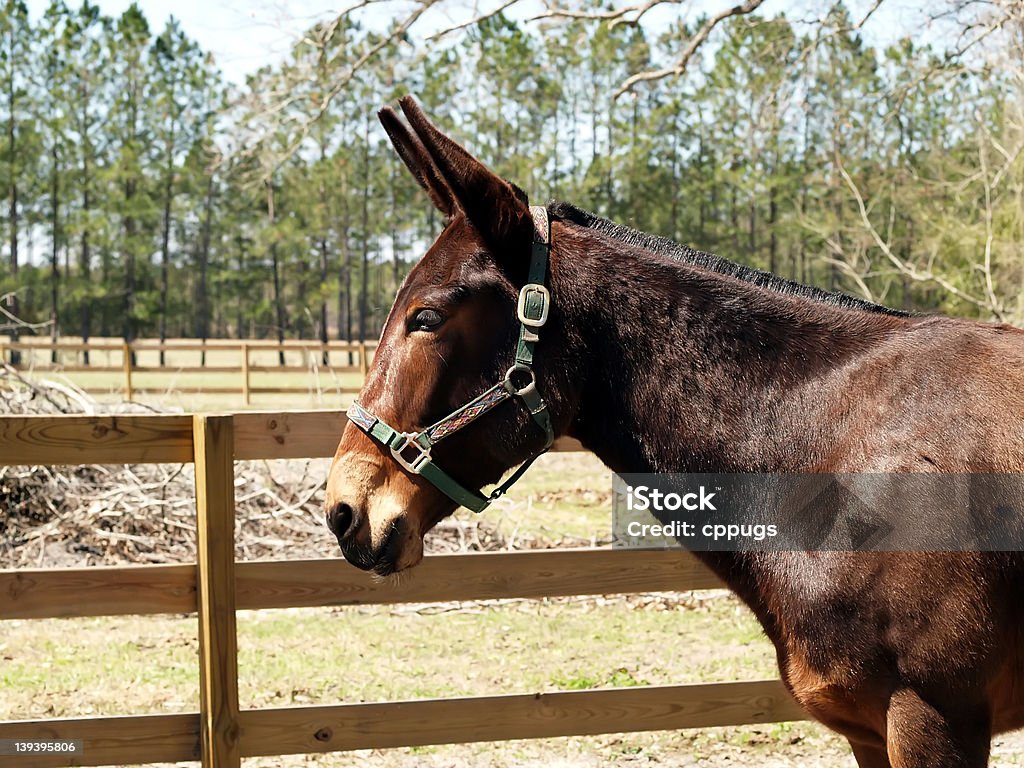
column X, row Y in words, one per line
column 412, row 449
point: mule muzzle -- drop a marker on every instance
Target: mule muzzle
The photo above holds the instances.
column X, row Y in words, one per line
column 352, row 530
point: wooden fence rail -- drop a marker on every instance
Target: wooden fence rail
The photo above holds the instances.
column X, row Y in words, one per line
column 215, row 587
column 322, row 359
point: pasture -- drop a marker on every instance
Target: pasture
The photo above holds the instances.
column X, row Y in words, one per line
column 307, row 656
column 84, row 667
column 221, row 374
column 96, row 666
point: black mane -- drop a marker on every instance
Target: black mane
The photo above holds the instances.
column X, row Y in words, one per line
column 684, row 253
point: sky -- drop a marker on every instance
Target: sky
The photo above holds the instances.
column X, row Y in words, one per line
column 246, row 35
column 242, row 36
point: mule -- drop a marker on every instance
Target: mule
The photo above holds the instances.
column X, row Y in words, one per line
column 659, row 358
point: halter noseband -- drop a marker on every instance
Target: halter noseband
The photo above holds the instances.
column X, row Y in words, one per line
column 412, row 449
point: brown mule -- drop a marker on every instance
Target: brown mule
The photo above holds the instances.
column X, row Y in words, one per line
column 662, row 359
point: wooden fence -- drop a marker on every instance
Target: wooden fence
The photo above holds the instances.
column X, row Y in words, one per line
column 215, row 587
column 330, row 359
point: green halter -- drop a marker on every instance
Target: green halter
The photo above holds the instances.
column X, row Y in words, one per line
column 412, row 449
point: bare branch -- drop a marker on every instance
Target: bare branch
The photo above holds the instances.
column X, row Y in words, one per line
column 473, row 21
column 16, row 322
column 279, row 103
column 847, row 269
column 614, row 16
column 908, row 270
column 864, row 19
column 691, row 48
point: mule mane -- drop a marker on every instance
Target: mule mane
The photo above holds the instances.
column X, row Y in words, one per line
column 709, row 261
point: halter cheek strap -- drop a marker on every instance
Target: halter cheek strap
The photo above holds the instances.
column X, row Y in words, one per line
column 412, row 449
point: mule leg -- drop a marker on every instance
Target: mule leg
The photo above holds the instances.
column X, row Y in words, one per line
column 870, row 756
column 921, row 736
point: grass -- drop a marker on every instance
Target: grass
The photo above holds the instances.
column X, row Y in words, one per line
column 71, row 667
column 135, row 665
column 162, row 389
column 315, row 389
column 107, row 666
column 563, row 495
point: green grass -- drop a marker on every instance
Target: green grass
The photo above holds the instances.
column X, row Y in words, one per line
column 108, row 666
column 69, row 667
column 135, row 665
column 562, row 495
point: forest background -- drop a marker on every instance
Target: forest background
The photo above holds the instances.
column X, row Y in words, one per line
column 144, row 194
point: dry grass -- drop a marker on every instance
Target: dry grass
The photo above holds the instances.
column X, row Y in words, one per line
column 124, row 665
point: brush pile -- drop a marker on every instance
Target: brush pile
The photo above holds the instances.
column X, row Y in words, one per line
column 53, row 516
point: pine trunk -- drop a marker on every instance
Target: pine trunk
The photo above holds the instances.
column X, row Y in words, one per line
column 12, row 301
column 165, row 247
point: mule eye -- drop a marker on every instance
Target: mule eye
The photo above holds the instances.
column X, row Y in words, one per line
column 426, row 320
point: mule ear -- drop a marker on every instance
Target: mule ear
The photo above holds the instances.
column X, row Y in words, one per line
column 417, row 160
column 498, row 209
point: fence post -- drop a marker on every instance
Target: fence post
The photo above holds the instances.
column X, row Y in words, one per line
column 126, row 354
column 364, row 364
column 245, row 372
column 213, row 440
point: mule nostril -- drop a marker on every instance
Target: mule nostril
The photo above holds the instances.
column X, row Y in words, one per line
column 339, row 518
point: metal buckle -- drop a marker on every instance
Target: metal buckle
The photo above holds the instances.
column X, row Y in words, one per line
column 422, row 458
column 524, row 293
column 528, row 388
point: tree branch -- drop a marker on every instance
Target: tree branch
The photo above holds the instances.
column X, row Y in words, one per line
column 691, row 48
column 16, row 322
column 901, row 266
column 473, row 21
column 614, row 16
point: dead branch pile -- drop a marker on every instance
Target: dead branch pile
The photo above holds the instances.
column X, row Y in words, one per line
column 105, row 515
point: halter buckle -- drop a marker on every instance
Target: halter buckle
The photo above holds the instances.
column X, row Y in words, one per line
column 422, row 457
column 538, row 290
column 528, row 388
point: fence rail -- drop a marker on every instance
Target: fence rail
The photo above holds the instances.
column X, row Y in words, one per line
column 215, row 587
column 324, row 359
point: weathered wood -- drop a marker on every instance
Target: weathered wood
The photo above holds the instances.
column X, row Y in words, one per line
column 215, row 544
column 141, row 590
column 176, row 369
column 136, row 590
column 183, row 370
column 282, row 435
column 304, row 434
column 305, row 389
column 126, row 362
column 109, row 740
column 26, row 345
column 303, row 730
column 246, row 397
column 364, row 360
column 483, row 576
column 303, row 369
column 184, row 345
column 95, row 439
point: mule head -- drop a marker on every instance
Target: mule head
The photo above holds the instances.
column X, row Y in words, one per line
column 451, row 334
